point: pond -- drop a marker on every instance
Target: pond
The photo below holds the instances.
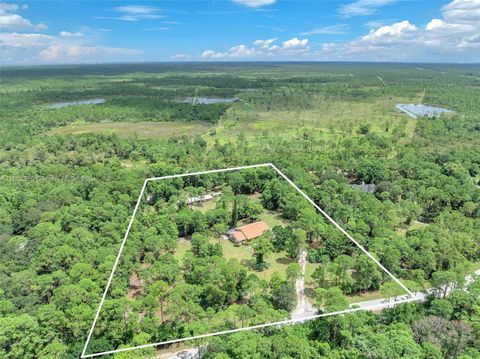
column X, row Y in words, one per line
column 415, row 110
column 94, row 101
column 208, row 100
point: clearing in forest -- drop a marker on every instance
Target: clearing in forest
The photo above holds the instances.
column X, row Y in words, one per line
column 222, row 251
column 136, row 129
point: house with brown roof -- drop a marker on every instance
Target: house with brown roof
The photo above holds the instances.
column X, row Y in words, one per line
column 247, row 232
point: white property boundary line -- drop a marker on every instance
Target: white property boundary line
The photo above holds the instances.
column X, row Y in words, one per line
column 137, row 205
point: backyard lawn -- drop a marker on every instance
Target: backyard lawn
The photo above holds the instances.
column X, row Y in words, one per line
column 277, row 262
column 272, row 219
column 204, row 207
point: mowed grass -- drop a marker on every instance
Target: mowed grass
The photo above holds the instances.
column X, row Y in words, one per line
column 363, row 297
column 272, row 218
column 204, row 207
column 136, row 129
column 184, row 245
column 277, row 262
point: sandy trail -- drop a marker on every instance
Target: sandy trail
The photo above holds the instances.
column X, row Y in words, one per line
column 304, row 308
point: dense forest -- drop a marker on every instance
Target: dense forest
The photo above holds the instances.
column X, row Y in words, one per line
column 71, row 177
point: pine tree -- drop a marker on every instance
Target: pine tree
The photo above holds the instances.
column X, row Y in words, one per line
column 234, row 219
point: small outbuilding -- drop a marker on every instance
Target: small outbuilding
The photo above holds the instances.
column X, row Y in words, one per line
column 203, row 198
column 247, row 232
column 365, row 187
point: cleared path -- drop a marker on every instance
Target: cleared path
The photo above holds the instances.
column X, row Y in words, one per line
column 304, row 308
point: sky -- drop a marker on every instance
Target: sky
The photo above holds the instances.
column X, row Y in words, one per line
column 65, row 32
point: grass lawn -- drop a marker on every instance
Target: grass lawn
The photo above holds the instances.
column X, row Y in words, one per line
column 242, row 253
column 183, row 246
column 365, row 296
column 136, row 129
column 415, row 225
column 204, row 207
column 277, row 262
column 473, row 267
column 273, row 219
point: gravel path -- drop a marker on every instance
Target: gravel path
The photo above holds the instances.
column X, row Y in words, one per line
column 304, row 308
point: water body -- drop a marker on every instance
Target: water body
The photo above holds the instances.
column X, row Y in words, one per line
column 415, row 110
column 94, row 101
column 208, row 101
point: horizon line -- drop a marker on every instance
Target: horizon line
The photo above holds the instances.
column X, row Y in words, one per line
column 185, row 62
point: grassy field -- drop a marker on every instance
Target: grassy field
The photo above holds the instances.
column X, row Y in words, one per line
column 136, row 129
column 327, row 118
column 277, row 262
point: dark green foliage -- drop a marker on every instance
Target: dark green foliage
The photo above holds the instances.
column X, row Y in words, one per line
column 65, row 202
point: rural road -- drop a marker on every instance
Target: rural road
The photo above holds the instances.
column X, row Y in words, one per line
column 304, row 309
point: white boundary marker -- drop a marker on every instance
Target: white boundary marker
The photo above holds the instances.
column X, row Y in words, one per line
column 289, row 321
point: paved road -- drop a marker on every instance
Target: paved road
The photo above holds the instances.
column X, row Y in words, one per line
column 306, row 310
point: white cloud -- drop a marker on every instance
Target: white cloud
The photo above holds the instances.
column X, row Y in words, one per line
column 41, row 27
column 17, row 40
column 181, row 56
column 375, row 24
column 292, row 48
column 53, row 52
column 254, row 3
column 295, row 44
column 460, row 11
column 235, row 52
column 82, row 53
column 136, row 12
column 9, row 19
column 157, row 28
column 397, row 32
column 264, row 43
column 273, row 28
column 454, row 37
column 363, row 7
column 137, row 9
column 14, row 22
column 68, row 47
column 209, row 54
column 7, row 7
column 328, row 30
column 70, row 34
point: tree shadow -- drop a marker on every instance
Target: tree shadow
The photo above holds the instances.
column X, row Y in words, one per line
column 252, row 265
column 284, row 260
column 310, row 293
